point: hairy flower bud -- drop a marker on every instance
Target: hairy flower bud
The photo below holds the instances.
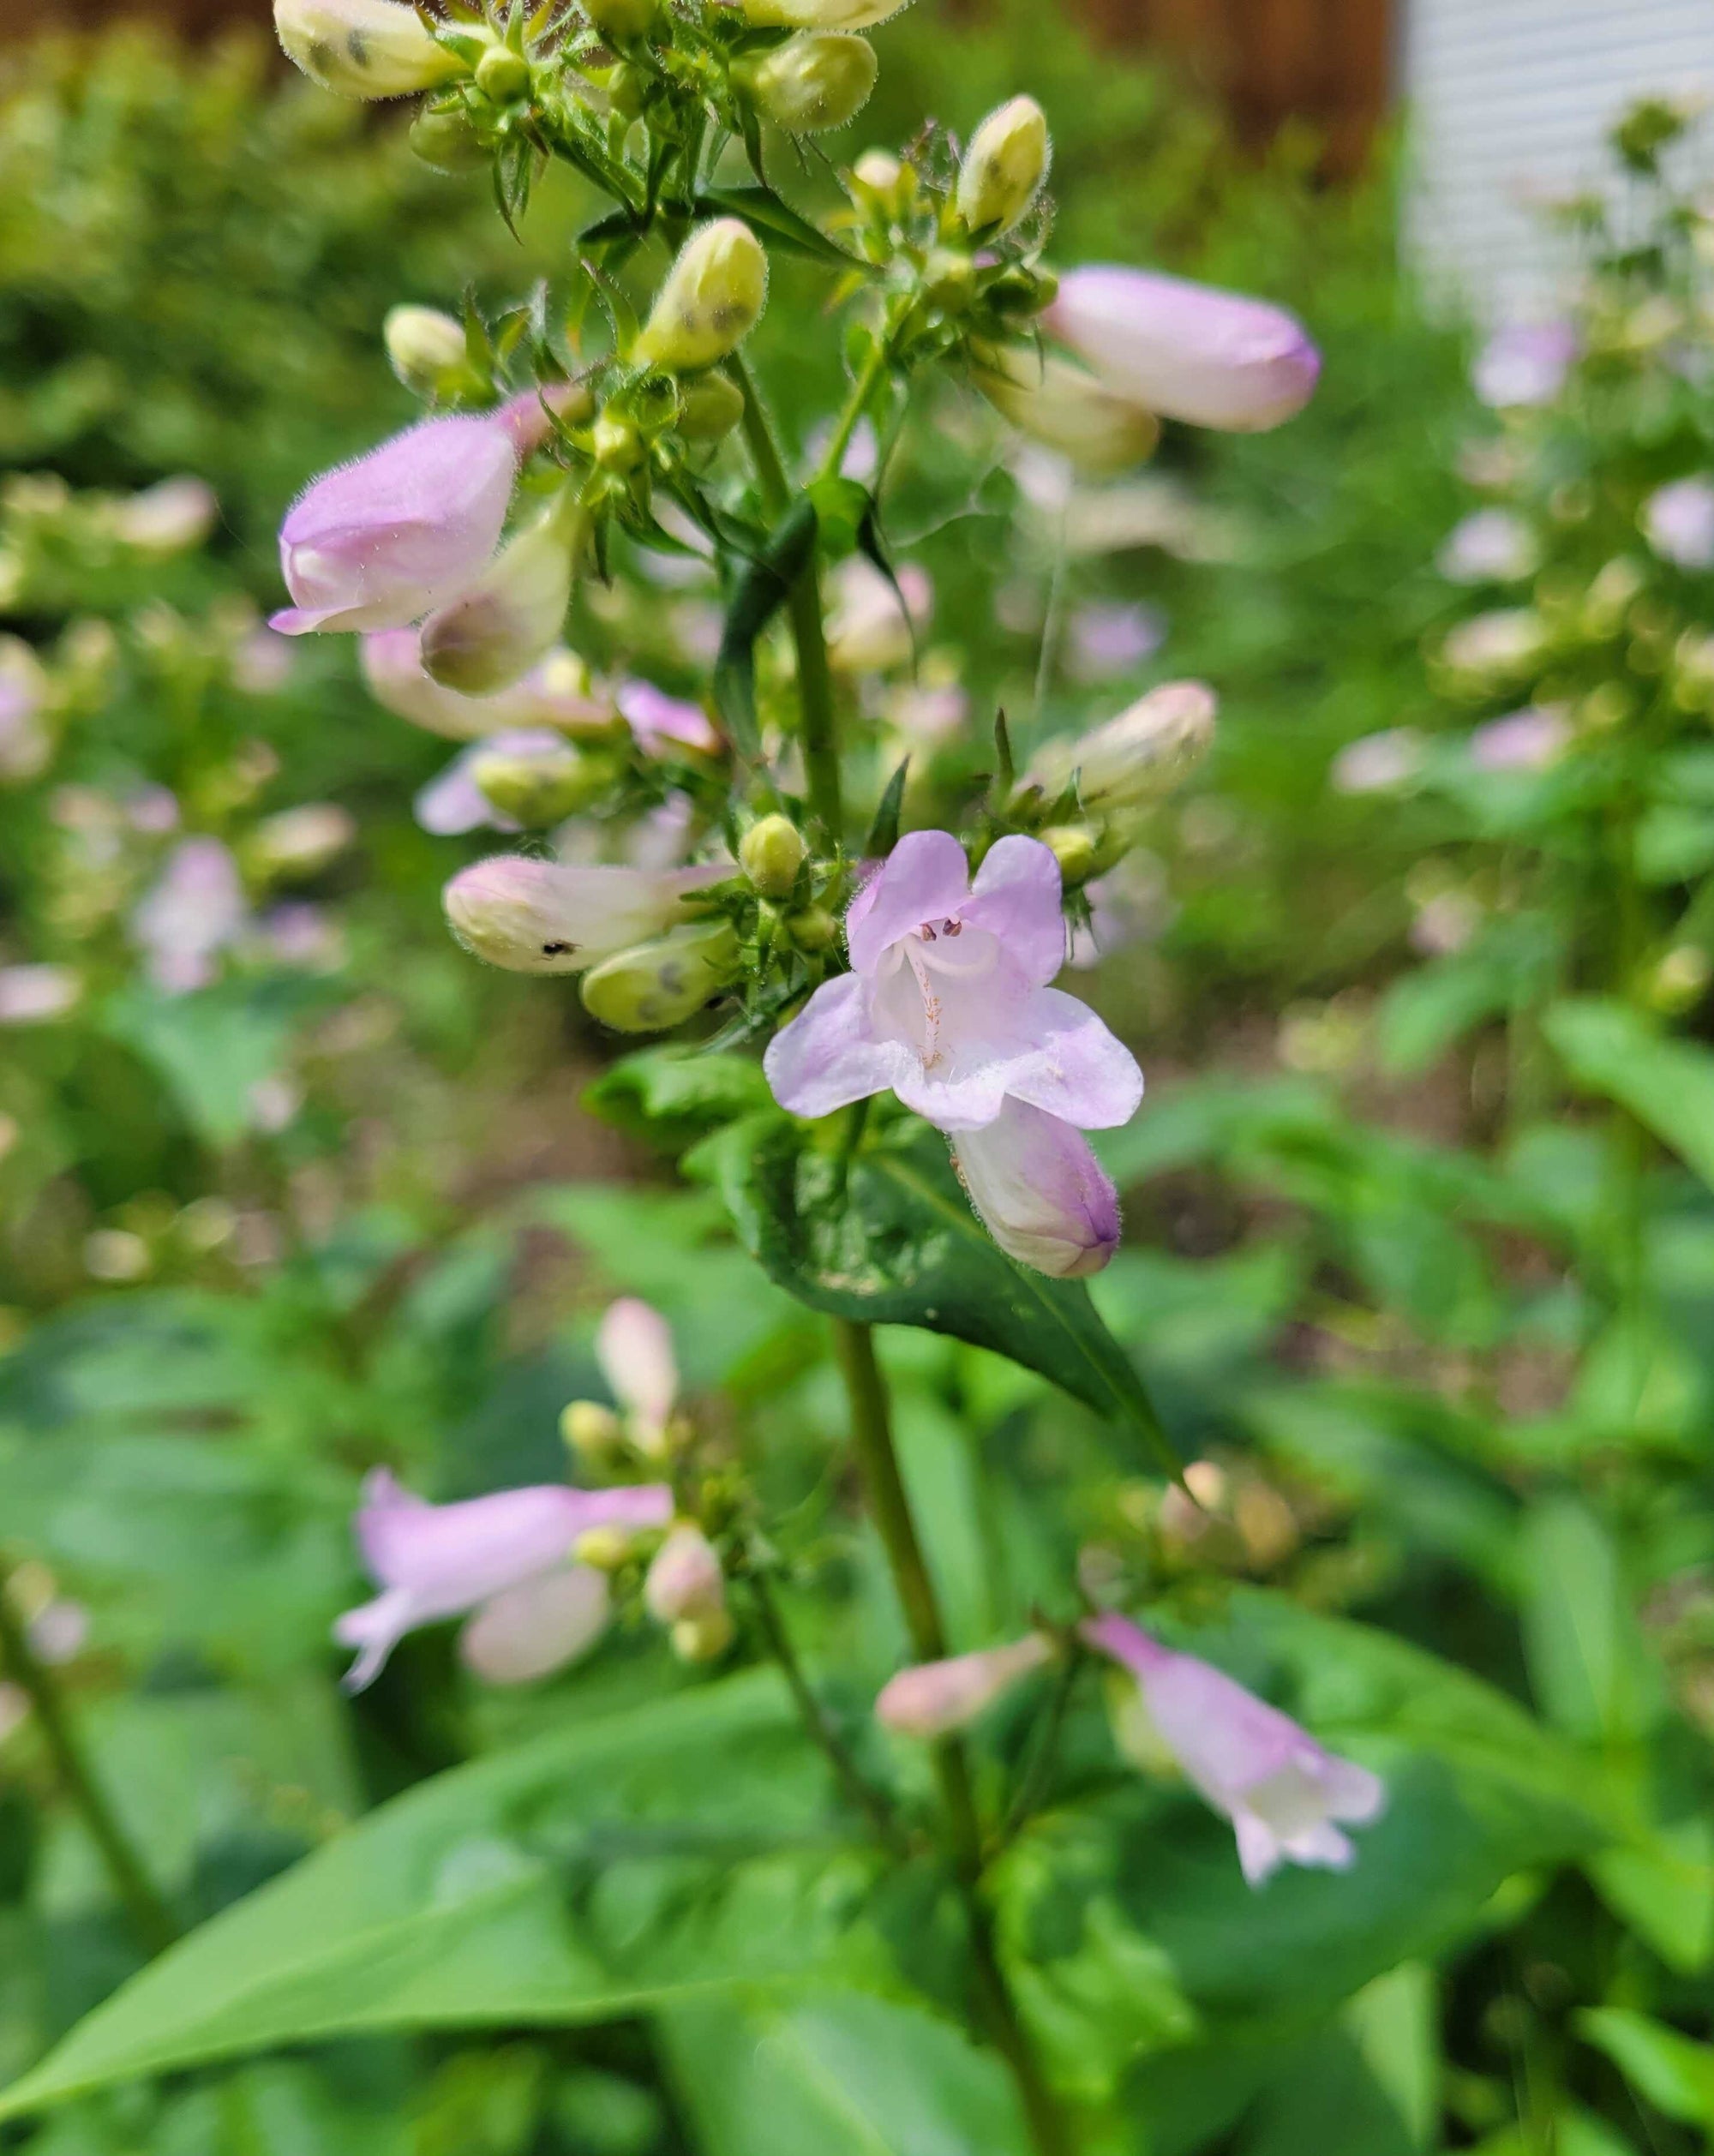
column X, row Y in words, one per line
column 625, row 20
column 937, row 1698
column 1066, row 408
column 1137, row 757
column 685, row 1579
column 1186, row 350
column 448, row 142
column 703, row 1638
column 710, row 408
column 503, row 75
column 660, row 984
column 819, row 15
column 541, row 785
column 712, row 299
column 771, row 853
column 1005, row 165
column 553, row 917
column 557, row 693
column 363, row 48
column 813, row 82
column 496, row 629
column 814, row 929
column 1040, row 1192
column 1073, row 845
column 424, row 348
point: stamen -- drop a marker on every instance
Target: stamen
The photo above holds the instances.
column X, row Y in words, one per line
column 927, row 932
column 952, row 928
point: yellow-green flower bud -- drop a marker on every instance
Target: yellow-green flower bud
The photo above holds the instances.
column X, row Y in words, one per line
column 949, row 278
column 627, row 89
column 703, row 1638
column 492, row 634
column 543, row 787
column 1073, row 848
column 712, row 407
column 363, row 48
column 503, row 75
column 448, row 141
column 425, row 348
column 620, row 19
column 1680, row 979
column 1055, row 403
column 813, row 82
column 712, row 299
column 594, row 1433
column 1005, row 163
column 819, row 15
column 879, row 170
column 659, row 984
column 771, row 853
column 618, row 446
column 814, row 929
column 606, row 1548
column 1134, row 758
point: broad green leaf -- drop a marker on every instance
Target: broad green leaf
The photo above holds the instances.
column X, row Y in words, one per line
column 1588, row 1665
column 623, row 1862
column 1394, row 2023
column 674, row 1096
column 1667, row 1085
column 212, row 1049
column 888, row 1238
column 840, row 2074
column 1663, row 1887
column 1668, row 2069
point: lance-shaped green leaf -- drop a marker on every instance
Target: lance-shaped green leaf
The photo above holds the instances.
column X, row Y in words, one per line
column 676, row 1849
column 886, row 1236
column 1667, row 1085
column 760, row 592
column 771, row 219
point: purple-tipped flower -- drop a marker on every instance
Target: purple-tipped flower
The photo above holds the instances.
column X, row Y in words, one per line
column 937, row 1698
column 558, row 917
column 194, row 911
column 1678, row 523
column 948, row 1002
column 380, row 542
column 1040, row 1192
column 1187, row 351
column 1524, row 364
column 1525, row 740
column 493, row 1555
column 1284, row 1794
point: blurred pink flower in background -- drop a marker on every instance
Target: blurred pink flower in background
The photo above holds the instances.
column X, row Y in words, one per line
column 1525, row 740
column 1378, row 762
column 1678, row 523
column 1107, row 637
column 1524, row 364
column 195, row 910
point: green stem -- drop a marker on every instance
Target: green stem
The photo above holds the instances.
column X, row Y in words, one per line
column 151, row 1919
column 871, row 1440
column 818, row 720
column 862, row 1793
column 856, row 405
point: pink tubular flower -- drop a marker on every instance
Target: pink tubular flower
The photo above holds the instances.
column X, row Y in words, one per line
column 1524, row 364
column 505, row 1557
column 661, row 723
column 380, row 542
column 949, row 1005
column 936, row 1697
column 1281, row 1791
column 633, row 1345
column 556, row 692
column 1186, row 350
column 1525, row 740
column 194, row 911
column 559, row 916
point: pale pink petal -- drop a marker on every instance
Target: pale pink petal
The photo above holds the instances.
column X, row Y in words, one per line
column 374, row 1629
column 527, row 1631
column 1040, row 1191
column 1077, row 1069
column 634, row 1344
column 926, row 878
column 1016, row 895
column 663, row 722
column 829, row 1055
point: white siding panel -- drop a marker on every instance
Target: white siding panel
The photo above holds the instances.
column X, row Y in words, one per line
column 1508, row 102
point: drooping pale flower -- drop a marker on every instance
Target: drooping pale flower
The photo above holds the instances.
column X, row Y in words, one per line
column 1186, row 350
column 378, row 543
column 937, row 1698
column 507, row 618
column 195, row 909
column 712, row 299
column 37, row 995
column 633, row 1345
column 1524, row 364
column 868, row 632
column 1040, row 1191
column 949, row 1005
column 1003, row 167
column 1525, row 740
column 363, row 48
column 1678, row 523
column 559, row 916
column 556, row 692
column 494, row 1555
column 661, row 723
column 1489, row 546
column 1134, row 758
column 167, row 518
column 813, row 82
column 1378, row 762
column 1285, row 1796
column 1062, row 406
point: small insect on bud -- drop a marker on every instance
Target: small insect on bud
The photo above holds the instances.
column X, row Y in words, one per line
column 703, row 1638
column 712, row 299
column 448, row 142
column 606, row 1548
column 812, row 83
column 424, row 348
column 659, row 984
column 503, row 75
column 710, row 408
column 1073, row 846
column 813, row 930
column 594, row 1433
column 363, row 48
column 771, row 853
column 494, row 632
column 541, row 787
column 1005, row 165
column 622, row 21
